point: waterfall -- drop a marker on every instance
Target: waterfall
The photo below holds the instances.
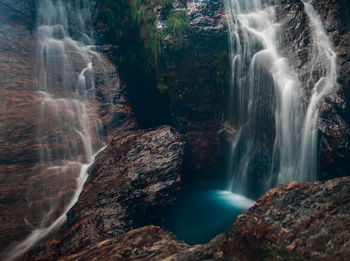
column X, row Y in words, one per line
column 325, row 57
column 68, row 133
column 276, row 127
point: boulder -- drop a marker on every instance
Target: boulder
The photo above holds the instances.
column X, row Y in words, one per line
column 146, row 243
column 295, row 221
column 130, row 185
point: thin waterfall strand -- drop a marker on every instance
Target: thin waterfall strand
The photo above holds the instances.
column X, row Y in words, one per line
column 65, row 100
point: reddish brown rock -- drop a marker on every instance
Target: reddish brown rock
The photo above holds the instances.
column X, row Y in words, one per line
column 130, row 184
column 27, row 191
column 147, row 243
column 295, row 221
column 18, row 116
column 302, row 221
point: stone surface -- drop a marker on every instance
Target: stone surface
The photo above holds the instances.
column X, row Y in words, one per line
column 336, row 114
column 24, row 186
column 146, row 243
column 18, row 105
column 295, row 221
column 306, row 220
column 192, row 78
column 196, row 75
column 193, row 73
column 130, row 185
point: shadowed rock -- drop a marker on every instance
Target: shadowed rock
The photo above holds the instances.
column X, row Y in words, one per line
column 295, row 221
column 129, row 185
column 147, row 243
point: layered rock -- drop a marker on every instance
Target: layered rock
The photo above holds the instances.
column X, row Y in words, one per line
column 146, row 243
column 24, row 198
column 130, row 185
column 17, row 115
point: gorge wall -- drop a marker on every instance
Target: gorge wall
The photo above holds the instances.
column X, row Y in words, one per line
column 199, row 56
column 145, row 165
column 192, row 71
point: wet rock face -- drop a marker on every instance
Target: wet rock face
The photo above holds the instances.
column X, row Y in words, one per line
column 335, row 115
column 301, row 221
column 206, row 16
column 310, row 220
column 18, row 102
column 296, row 39
column 130, row 184
column 23, row 184
column 297, row 44
column 196, row 75
column 17, row 114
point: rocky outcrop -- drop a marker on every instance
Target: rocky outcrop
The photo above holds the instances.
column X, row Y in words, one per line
column 306, row 220
column 147, row 243
column 295, row 221
column 130, row 184
column 303, row 221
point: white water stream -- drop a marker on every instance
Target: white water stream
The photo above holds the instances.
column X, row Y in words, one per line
column 68, row 133
column 267, row 98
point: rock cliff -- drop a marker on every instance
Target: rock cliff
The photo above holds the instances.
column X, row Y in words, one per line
column 137, row 176
column 197, row 76
column 23, row 198
column 190, row 74
column 130, row 185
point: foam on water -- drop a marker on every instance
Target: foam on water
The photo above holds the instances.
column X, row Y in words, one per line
column 199, row 216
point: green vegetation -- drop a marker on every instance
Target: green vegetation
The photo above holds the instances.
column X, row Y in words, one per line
column 177, row 24
column 126, row 16
column 221, row 63
column 142, row 51
column 154, row 39
column 114, row 14
column 162, row 88
column 138, row 50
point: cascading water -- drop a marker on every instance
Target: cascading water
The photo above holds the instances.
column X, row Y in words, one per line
column 68, row 134
column 325, row 58
column 275, row 126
